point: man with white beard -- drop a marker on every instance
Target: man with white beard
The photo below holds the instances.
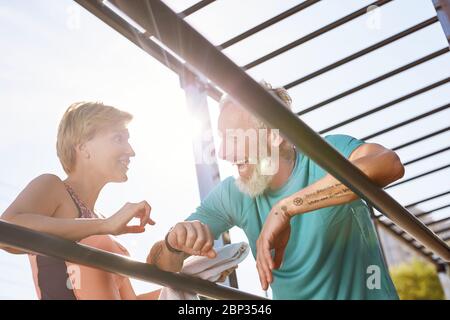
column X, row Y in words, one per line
column 311, row 236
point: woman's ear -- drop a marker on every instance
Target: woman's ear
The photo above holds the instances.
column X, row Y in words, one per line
column 82, row 150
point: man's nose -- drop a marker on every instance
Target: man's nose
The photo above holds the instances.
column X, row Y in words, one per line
column 223, row 153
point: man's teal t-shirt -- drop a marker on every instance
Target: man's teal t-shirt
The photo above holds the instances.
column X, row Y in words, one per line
column 333, row 252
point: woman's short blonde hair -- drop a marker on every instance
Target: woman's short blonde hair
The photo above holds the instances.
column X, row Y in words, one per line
column 80, row 122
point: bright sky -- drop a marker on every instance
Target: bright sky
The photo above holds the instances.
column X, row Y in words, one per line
column 54, row 53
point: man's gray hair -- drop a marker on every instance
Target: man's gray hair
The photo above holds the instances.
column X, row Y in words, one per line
column 280, row 92
column 286, row 147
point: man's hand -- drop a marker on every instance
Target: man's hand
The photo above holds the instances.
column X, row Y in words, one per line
column 274, row 236
column 117, row 223
column 193, row 238
column 226, row 273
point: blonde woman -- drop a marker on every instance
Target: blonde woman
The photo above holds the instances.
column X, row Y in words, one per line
column 93, row 148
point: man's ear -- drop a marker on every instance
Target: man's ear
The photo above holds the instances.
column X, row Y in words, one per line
column 275, row 138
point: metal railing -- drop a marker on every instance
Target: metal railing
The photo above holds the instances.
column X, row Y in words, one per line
column 40, row 243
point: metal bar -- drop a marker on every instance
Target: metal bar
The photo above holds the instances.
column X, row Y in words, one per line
column 417, row 176
column 45, row 244
column 442, row 230
column 421, row 214
column 374, row 81
column 409, row 243
column 437, row 5
column 443, row 12
column 196, row 7
column 427, row 199
column 426, row 156
column 208, row 175
column 444, row 5
column 267, row 23
column 427, row 136
column 438, row 221
column 369, row 49
column 185, row 41
column 403, row 123
column 314, row 34
column 116, row 22
column 384, row 106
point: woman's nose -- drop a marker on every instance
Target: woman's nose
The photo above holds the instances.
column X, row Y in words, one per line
column 131, row 151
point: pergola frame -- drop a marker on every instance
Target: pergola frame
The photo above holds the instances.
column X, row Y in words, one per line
column 205, row 70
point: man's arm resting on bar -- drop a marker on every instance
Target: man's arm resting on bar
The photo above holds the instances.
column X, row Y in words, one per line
column 379, row 164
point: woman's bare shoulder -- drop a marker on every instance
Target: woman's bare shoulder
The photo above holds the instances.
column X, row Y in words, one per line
column 47, row 180
column 48, row 185
column 42, row 195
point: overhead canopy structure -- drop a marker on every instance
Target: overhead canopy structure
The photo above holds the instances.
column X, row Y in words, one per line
column 330, row 87
column 338, row 86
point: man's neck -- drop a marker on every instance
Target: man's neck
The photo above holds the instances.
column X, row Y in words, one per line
column 285, row 168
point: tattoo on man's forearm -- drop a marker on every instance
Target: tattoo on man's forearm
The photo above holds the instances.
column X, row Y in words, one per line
column 284, row 209
column 324, row 194
column 298, row 201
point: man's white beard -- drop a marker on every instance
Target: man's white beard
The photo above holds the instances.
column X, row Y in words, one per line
column 257, row 183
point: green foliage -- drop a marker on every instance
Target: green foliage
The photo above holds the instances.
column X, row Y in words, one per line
column 417, row 280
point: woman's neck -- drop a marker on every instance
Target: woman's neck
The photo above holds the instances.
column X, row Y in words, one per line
column 87, row 189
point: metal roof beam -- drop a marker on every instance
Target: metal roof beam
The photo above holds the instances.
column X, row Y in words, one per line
column 196, row 7
column 314, row 34
column 388, row 104
column 404, row 123
column 431, row 154
column 425, row 137
column 427, row 199
column 417, row 176
column 267, row 23
column 365, row 51
column 374, row 81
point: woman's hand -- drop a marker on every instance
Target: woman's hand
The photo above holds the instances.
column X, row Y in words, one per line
column 118, row 223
